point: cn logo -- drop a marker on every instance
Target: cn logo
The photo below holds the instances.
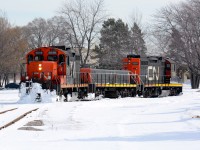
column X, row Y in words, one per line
column 153, row 73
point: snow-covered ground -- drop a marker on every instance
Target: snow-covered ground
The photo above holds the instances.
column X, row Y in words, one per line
column 108, row 124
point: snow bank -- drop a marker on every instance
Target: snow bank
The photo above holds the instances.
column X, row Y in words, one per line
column 29, row 95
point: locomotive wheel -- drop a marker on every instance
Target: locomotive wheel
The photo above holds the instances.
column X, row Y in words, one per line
column 146, row 93
column 133, row 93
column 139, row 93
column 172, row 92
column 176, row 92
column 65, row 95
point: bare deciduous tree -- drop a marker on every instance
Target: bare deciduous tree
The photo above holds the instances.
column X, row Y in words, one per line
column 12, row 47
column 181, row 23
column 41, row 32
column 36, row 32
column 83, row 19
column 55, row 35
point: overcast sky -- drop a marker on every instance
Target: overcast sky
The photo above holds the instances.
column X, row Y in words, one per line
column 20, row 12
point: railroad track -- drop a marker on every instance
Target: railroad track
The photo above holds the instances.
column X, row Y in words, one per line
column 5, row 111
column 16, row 118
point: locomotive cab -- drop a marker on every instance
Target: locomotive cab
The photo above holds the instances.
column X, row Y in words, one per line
column 167, row 71
column 132, row 63
column 45, row 65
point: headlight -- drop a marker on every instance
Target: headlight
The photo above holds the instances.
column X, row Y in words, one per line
column 40, row 67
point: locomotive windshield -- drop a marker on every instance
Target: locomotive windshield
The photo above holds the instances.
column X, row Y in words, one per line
column 52, row 58
column 39, row 58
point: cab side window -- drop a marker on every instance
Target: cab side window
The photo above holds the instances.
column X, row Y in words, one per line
column 30, row 58
column 168, row 66
column 61, row 58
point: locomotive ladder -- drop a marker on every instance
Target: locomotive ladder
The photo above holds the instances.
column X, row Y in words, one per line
column 139, row 85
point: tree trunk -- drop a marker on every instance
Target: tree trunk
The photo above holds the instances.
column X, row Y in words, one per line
column 0, row 82
column 14, row 76
column 195, row 81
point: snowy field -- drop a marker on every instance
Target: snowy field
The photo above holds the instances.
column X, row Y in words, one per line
column 167, row 123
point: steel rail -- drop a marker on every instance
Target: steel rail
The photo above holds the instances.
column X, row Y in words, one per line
column 8, row 110
column 17, row 119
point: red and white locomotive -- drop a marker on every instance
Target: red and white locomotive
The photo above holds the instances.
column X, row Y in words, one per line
column 59, row 68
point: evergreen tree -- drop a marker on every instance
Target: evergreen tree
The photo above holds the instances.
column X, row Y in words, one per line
column 137, row 40
column 176, row 47
column 114, row 43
